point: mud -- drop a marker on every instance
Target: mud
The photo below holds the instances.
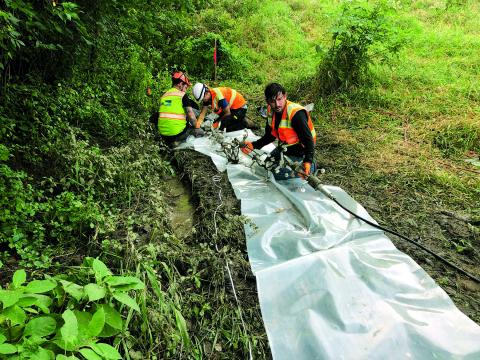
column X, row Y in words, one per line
column 182, row 211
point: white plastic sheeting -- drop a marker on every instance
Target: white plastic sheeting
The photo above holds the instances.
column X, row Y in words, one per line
column 333, row 287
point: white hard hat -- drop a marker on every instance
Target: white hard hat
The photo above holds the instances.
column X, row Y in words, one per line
column 199, row 91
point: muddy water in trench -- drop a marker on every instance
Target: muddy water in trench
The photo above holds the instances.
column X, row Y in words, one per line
column 181, row 215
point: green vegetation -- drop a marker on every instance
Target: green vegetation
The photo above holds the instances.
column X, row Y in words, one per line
column 361, row 35
column 57, row 315
column 83, row 176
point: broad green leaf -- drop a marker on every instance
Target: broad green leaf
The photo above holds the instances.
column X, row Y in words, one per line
column 112, row 317
column 27, row 300
column 40, row 326
column 89, row 354
column 9, row 297
column 83, row 320
column 15, row 314
column 35, row 340
column 30, row 310
column 101, row 270
column 107, row 351
column 65, row 345
column 125, row 283
column 73, row 289
column 2, row 338
column 19, row 278
column 69, row 330
column 40, row 286
column 127, row 300
column 43, row 354
column 63, row 357
column 108, row 331
column 7, row 349
column 43, row 302
column 94, row 292
column 182, row 327
column 95, row 326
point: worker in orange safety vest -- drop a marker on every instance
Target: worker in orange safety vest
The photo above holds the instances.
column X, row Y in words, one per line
column 228, row 103
column 292, row 125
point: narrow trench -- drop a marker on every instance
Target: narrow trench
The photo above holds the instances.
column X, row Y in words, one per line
column 182, row 211
column 197, row 172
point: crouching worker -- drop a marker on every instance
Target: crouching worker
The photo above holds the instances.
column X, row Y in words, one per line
column 228, row 103
column 177, row 119
column 291, row 124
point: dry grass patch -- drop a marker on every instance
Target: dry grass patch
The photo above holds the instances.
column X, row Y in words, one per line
column 388, row 158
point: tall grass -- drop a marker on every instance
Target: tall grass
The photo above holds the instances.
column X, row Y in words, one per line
column 279, row 39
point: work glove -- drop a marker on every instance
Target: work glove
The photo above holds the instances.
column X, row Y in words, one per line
column 306, row 169
column 198, row 132
column 246, row 147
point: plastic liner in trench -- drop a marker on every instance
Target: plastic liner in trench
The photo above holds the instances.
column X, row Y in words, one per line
column 331, row 286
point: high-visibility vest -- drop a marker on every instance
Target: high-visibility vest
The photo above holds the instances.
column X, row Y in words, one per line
column 172, row 118
column 234, row 98
column 286, row 133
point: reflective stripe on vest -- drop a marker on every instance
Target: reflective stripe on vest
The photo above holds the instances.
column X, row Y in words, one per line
column 172, row 118
column 232, row 98
column 286, row 133
column 235, row 99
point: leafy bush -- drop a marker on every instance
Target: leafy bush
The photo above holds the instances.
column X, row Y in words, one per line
column 32, row 223
column 31, row 31
column 362, row 34
column 113, row 174
column 64, row 315
column 20, row 228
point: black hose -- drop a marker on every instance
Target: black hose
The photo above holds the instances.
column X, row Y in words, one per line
column 314, row 182
column 473, row 277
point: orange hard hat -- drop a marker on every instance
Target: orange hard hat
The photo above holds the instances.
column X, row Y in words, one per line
column 181, row 75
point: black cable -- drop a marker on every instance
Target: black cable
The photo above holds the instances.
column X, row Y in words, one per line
column 315, row 183
column 473, row 277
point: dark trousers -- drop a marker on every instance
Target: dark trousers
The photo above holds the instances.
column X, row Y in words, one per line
column 234, row 122
column 189, row 130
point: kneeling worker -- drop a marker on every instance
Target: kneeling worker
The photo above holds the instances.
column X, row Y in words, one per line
column 177, row 120
column 291, row 124
column 228, row 103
